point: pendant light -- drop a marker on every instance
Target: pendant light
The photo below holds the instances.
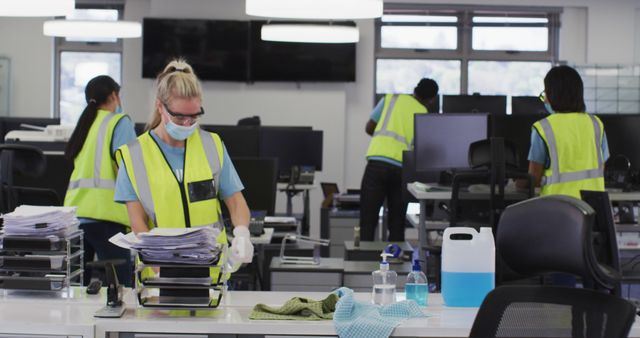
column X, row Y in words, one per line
column 92, row 29
column 310, row 33
column 315, row 9
column 21, row 8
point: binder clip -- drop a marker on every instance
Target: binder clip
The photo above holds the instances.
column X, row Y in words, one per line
column 298, row 260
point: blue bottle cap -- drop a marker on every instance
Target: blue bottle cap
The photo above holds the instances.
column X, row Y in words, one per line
column 416, row 265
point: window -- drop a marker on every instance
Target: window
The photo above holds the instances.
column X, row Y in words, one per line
column 463, row 48
column 79, row 60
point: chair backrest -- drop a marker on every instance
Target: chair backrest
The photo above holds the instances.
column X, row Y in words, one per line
column 552, row 234
column 546, row 311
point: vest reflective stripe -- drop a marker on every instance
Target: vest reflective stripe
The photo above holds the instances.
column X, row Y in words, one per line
column 97, row 182
column 556, row 175
column 394, row 132
column 92, row 183
column 383, row 129
column 142, row 180
column 212, row 156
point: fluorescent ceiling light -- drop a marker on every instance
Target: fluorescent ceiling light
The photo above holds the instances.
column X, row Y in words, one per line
column 315, row 9
column 310, row 33
column 37, row 7
column 92, row 29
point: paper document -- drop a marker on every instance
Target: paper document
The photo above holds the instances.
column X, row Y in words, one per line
column 31, row 220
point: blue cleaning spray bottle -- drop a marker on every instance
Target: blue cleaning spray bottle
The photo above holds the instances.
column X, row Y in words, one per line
column 417, row 287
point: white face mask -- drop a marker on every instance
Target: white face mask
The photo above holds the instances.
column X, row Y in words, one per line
column 180, row 133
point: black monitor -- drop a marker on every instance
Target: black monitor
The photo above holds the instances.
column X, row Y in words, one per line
column 527, row 105
column 623, row 136
column 493, row 104
column 240, row 141
column 410, row 175
column 442, row 141
column 517, row 129
column 292, row 147
column 139, row 128
column 258, row 175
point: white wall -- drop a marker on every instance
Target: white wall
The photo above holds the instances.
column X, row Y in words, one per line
column 593, row 31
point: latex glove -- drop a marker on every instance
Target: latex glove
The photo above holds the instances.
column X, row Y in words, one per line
column 241, row 247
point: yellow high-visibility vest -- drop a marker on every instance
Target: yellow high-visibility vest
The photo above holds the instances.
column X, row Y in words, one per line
column 92, row 183
column 394, row 131
column 574, row 142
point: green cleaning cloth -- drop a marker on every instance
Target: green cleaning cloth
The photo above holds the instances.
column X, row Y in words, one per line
column 297, row 308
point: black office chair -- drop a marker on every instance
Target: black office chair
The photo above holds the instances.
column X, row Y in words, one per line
column 28, row 161
column 535, row 311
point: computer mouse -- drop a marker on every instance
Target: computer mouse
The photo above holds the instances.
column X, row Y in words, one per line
column 94, row 287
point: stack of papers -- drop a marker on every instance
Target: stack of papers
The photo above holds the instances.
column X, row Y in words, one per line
column 38, row 221
column 169, row 245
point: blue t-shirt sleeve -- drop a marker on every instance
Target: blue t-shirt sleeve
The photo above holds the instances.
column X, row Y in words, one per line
column 538, row 149
column 377, row 111
column 605, row 147
column 229, row 180
column 124, row 191
column 123, row 133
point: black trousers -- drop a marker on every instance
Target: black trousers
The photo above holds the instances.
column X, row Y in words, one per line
column 96, row 242
column 382, row 180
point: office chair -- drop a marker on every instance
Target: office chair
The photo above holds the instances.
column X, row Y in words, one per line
column 28, row 161
column 553, row 234
column 536, row 311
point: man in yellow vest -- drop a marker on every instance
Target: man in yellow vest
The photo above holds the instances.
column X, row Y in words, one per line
column 391, row 125
column 568, row 148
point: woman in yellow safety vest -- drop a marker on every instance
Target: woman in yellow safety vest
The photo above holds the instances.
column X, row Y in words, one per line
column 569, row 147
column 175, row 174
column 101, row 129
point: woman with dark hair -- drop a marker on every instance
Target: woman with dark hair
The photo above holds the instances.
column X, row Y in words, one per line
column 101, row 129
column 569, row 147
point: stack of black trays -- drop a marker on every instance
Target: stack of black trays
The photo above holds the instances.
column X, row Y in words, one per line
column 41, row 263
column 179, row 286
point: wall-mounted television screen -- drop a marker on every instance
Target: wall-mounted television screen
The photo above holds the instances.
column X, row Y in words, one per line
column 294, row 61
column 217, row 50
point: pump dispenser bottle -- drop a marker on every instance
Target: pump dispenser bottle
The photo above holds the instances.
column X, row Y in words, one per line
column 384, row 283
column 416, row 287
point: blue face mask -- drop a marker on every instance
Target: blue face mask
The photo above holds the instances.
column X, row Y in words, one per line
column 178, row 132
column 547, row 106
column 118, row 109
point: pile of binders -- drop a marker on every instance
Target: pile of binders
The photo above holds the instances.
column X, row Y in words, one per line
column 42, row 249
column 173, row 266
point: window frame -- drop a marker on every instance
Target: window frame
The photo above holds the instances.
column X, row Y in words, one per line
column 62, row 45
column 465, row 53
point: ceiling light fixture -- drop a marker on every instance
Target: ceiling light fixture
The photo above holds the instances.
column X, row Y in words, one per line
column 37, row 7
column 315, row 9
column 310, row 33
column 92, row 29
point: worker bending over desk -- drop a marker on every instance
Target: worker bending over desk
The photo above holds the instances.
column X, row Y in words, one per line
column 569, row 147
column 391, row 125
column 167, row 184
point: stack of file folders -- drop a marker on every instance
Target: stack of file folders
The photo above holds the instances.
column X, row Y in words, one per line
column 42, row 249
column 173, row 266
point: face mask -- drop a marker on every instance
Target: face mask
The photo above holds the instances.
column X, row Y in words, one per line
column 547, row 106
column 118, row 109
column 178, row 132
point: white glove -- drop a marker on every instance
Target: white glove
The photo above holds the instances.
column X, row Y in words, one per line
column 241, row 247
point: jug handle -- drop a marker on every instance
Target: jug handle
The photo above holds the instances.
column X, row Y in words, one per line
column 461, row 230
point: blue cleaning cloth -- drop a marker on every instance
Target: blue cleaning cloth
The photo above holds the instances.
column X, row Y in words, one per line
column 354, row 319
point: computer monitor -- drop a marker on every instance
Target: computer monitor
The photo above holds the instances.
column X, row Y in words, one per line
column 623, row 136
column 410, row 175
column 139, row 128
column 258, row 175
column 526, row 105
column 493, row 104
column 292, row 147
column 240, row 141
column 517, row 129
column 442, row 141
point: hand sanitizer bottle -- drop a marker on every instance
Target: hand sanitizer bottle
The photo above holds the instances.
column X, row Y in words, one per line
column 384, row 283
column 417, row 287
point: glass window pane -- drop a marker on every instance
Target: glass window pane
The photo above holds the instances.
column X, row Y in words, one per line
column 93, row 14
column 501, row 19
column 401, row 76
column 76, row 69
column 511, row 38
column 516, row 78
column 418, row 18
column 419, row 37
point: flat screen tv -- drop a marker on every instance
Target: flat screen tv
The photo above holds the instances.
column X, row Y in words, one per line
column 293, row 61
column 217, row 49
